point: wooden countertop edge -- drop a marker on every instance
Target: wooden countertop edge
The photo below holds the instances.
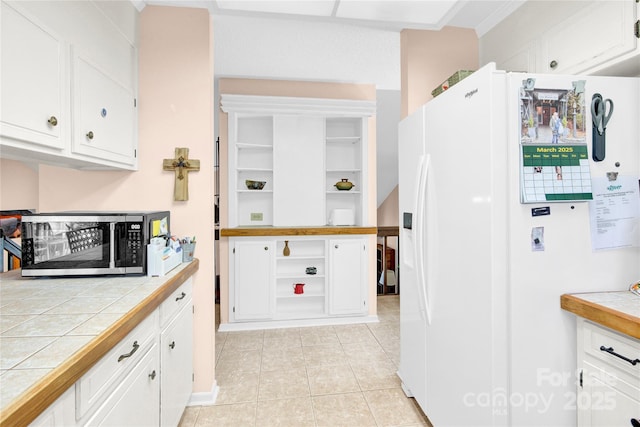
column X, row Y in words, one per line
column 295, row 231
column 35, row 400
column 613, row 319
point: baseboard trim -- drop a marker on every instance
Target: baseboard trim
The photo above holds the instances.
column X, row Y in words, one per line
column 296, row 323
column 207, row 398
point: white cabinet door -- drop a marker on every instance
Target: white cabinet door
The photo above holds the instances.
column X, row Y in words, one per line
column 599, row 33
column 252, row 296
column 105, row 115
column 298, row 187
column 60, row 413
column 135, row 402
column 606, row 400
column 176, row 364
column 33, row 79
column 347, row 290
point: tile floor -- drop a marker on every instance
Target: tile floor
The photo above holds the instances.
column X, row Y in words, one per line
column 314, row 376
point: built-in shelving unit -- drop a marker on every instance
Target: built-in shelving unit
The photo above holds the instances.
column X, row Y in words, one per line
column 301, row 147
column 344, row 160
column 292, row 270
column 253, row 152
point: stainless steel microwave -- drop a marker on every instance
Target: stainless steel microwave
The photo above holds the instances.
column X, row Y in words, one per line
column 89, row 243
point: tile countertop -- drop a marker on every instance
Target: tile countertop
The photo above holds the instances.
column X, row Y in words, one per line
column 43, row 322
column 619, row 311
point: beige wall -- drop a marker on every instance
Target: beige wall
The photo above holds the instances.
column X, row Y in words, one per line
column 388, row 210
column 18, row 185
column 430, row 57
column 175, row 109
column 291, row 89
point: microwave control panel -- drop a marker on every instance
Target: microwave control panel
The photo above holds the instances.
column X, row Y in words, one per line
column 135, row 245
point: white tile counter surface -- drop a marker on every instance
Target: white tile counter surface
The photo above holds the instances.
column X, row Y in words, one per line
column 44, row 321
column 625, row 302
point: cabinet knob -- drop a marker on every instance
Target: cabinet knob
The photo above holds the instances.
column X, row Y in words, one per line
column 53, row 121
column 336, row 246
column 152, row 375
column 172, row 345
column 266, row 248
column 635, row 423
column 90, row 135
column 553, row 64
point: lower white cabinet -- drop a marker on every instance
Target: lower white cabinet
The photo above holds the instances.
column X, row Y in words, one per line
column 60, row 413
column 297, row 278
column 135, row 402
column 253, row 277
column 348, row 287
column 609, row 377
column 145, row 380
column 176, row 374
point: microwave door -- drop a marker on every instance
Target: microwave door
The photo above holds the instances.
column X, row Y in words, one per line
column 73, row 247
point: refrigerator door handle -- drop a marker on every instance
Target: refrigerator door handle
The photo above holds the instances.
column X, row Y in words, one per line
column 419, row 247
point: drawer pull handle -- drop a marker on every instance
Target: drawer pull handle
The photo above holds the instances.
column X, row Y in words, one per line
column 136, row 346
column 152, row 375
column 182, row 295
column 635, row 423
column 610, row 351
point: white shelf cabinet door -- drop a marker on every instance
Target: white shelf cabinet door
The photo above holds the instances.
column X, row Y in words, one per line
column 176, row 364
column 347, row 290
column 298, row 194
column 135, row 402
column 34, row 106
column 253, row 295
column 105, row 116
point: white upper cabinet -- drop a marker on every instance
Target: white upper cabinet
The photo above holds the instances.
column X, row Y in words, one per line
column 69, row 83
column 597, row 34
column 299, row 148
column 105, row 112
column 585, row 37
column 33, row 85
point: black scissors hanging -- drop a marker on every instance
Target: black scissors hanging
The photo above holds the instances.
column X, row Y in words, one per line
column 600, row 117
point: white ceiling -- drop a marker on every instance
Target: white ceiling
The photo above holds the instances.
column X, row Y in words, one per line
column 393, row 15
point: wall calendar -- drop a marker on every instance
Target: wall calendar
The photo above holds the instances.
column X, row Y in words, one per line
column 554, row 160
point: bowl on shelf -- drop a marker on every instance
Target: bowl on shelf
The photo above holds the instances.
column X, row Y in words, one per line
column 254, row 185
column 344, row 184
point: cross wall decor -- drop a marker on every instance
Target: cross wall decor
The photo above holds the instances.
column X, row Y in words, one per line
column 181, row 165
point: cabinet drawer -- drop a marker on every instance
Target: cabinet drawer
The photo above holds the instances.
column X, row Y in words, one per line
column 601, row 343
column 180, row 298
column 95, row 385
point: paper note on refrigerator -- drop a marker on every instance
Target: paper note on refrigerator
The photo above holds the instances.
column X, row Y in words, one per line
column 615, row 213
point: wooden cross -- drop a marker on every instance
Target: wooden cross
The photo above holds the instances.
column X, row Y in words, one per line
column 181, row 165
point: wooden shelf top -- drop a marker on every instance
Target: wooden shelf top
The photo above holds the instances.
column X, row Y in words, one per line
column 388, row 230
column 295, row 231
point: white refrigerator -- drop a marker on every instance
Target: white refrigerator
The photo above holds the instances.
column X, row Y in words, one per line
column 484, row 341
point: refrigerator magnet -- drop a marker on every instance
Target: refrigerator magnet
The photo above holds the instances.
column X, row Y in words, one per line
column 537, row 239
